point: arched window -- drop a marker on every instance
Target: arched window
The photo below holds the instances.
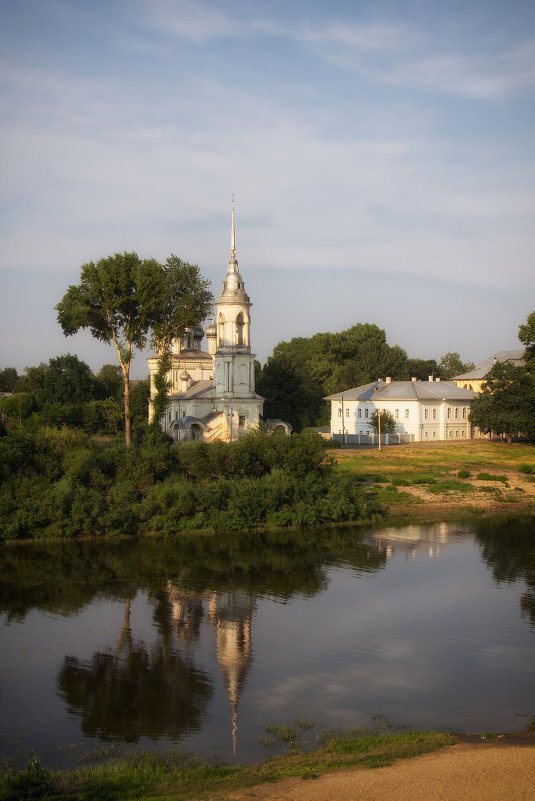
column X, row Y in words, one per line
column 239, row 329
column 220, row 330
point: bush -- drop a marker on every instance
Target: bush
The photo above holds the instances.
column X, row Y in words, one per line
column 32, row 782
column 491, row 477
column 526, row 468
column 463, row 474
column 423, row 480
column 400, row 482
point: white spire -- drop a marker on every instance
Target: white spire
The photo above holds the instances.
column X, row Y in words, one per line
column 232, row 236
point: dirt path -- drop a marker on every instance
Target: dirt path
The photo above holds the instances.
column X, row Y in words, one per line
column 463, row 772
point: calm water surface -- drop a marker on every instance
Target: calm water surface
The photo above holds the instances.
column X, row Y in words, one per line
column 199, row 644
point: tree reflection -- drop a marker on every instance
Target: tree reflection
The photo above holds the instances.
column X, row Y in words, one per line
column 508, row 548
column 133, row 693
column 64, row 577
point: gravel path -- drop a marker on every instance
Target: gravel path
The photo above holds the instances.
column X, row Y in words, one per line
column 463, row 772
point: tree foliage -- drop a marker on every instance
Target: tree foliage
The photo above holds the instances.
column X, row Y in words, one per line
column 128, row 301
column 8, row 379
column 526, row 335
column 452, row 365
column 388, row 423
column 62, row 483
column 506, row 405
column 303, row 371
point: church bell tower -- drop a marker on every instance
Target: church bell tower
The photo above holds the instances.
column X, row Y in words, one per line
column 233, row 360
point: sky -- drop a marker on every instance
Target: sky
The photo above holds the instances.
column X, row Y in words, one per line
column 381, row 155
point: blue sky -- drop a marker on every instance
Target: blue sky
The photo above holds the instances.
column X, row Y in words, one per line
column 382, row 156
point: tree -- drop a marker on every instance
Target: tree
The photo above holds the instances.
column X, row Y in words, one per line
column 506, row 405
column 32, row 381
column 422, row 369
column 388, row 423
column 17, row 406
column 129, row 301
column 451, row 365
column 8, row 379
column 111, row 380
column 526, row 335
column 68, row 380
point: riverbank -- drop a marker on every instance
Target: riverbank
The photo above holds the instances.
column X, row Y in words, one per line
column 424, row 482
column 462, row 772
column 408, row 766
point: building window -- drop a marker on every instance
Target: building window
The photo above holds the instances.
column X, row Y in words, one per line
column 365, row 412
column 434, row 414
column 396, row 414
column 241, row 420
column 456, row 411
column 360, row 413
column 449, row 412
column 347, row 412
column 464, row 412
column 406, row 414
column 434, row 434
column 339, row 412
column 426, row 413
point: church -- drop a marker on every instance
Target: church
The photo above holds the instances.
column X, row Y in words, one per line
column 212, row 394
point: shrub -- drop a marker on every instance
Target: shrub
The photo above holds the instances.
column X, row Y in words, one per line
column 400, row 482
column 491, row 477
column 423, row 480
column 526, row 468
column 450, row 485
column 463, row 474
column 31, row 782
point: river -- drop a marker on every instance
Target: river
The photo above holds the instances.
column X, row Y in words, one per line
column 200, row 643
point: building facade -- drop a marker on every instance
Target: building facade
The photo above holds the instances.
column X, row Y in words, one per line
column 423, row 410
column 212, row 393
column 475, row 378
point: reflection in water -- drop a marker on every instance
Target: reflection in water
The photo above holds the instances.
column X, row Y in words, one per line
column 131, row 693
column 229, row 616
column 345, row 621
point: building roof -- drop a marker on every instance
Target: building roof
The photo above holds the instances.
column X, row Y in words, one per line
column 197, row 389
column 406, row 390
column 483, row 369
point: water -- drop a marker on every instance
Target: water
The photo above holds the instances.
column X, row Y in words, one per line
column 199, row 644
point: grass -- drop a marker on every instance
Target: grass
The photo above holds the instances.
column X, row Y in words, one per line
column 417, row 480
column 153, row 777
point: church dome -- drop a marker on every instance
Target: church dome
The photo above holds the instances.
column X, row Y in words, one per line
column 211, row 331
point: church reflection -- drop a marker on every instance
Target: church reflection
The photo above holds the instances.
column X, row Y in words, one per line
column 135, row 691
column 229, row 616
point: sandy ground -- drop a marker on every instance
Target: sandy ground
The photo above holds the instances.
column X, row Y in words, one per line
column 462, row 772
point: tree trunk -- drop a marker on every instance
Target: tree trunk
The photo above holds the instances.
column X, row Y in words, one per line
column 127, row 418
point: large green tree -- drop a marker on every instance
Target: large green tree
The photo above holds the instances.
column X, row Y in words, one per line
column 506, row 405
column 526, row 334
column 8, row 379
column 451, row 365
column 303, row 371
column 128, row 302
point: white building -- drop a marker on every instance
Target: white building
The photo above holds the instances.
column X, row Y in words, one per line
column 212, row 393
column 423, row 410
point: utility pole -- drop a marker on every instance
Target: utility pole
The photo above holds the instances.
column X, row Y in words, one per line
column 379, row 420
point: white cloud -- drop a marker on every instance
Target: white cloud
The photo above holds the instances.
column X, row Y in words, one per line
column 495, row 76
column 370, row 37
column 189, row 19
